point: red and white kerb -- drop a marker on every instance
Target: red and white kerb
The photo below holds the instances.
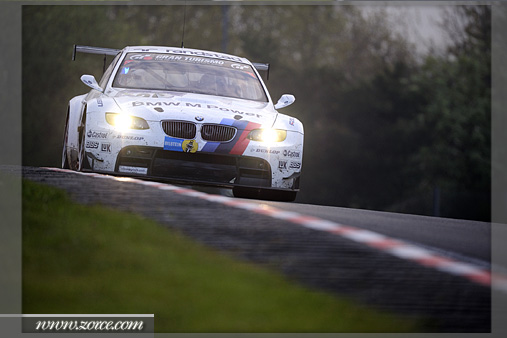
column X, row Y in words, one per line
column 392, row 246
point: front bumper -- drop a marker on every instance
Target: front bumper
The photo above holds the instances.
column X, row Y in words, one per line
column 206, row 168
column 143, row 154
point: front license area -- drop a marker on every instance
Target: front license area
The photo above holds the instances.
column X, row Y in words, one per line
column 133, row 170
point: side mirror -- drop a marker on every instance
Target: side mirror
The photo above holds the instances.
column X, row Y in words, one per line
column 90, row 81
column 285, row 100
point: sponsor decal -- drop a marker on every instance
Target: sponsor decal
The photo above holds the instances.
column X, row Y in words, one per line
column 133, row 170
column 96, row 134
column 295, row 165
column 100, row 103
column 141, row 57
column 189, row 146
column 199, row 118
column 105, row 147
column 168, row 58
column 92, row 144
column 193, row 59
column 190, row 56
column 282, row 165
column 178, row 144
column 291, row 154
column 205, row 54
column 193, row 105
column 237, row 66
column 266, row 151
column 173, row 144
column 160, row 110
column 291, row 121
column 203, row 60
column 129, row 137
column 138, row 94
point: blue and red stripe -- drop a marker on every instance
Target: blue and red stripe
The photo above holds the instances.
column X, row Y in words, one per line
column 238, row 145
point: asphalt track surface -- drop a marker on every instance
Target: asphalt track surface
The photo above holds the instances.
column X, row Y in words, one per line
column 320, row 260
column 468, row 240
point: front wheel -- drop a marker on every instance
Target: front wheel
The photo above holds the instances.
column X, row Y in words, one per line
column 265, row 194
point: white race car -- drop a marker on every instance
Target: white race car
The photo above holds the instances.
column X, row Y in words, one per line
column 188, row 116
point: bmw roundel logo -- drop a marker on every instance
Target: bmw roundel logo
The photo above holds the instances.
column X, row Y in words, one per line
column 199, row 118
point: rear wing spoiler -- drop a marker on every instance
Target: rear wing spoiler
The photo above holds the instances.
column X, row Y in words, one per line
column 114, row 52
column 95, row 50
column 262, row 67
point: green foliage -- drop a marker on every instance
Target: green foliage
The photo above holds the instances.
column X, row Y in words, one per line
column 383, row 127
column 456, row 153
column 389, row 139
column 90, row 259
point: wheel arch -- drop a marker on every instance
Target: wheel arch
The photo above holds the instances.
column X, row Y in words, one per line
column 75, row 109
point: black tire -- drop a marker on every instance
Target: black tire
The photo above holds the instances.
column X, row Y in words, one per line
column 265, row 194
column 82, row 160
column 65, row 160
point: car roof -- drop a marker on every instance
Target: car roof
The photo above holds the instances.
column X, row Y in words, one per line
column 186, row 51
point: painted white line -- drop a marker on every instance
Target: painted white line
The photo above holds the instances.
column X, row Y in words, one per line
column 218, row 198
column 194, row 193
column 321, row 224
column 410, row 252
column 365, row 236
column 241, row 205
column 168, row 187
column 392, row 246
column 285, row 215
column 149, row 183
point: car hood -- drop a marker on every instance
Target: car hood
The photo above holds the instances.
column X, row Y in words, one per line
column 156, row 106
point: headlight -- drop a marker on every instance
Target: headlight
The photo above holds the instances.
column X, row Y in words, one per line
column 124, row 121
column 267, row 135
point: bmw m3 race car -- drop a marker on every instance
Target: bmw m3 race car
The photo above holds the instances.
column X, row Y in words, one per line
column 185, row 115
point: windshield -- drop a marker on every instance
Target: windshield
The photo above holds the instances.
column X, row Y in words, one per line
column 189, row 74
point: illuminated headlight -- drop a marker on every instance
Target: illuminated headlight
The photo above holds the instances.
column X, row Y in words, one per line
column 124, row 121
column 267, row 135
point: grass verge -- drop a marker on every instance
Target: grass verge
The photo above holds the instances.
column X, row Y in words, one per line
column 91, row 259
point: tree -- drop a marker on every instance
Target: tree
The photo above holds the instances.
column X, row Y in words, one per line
column 457, row 119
